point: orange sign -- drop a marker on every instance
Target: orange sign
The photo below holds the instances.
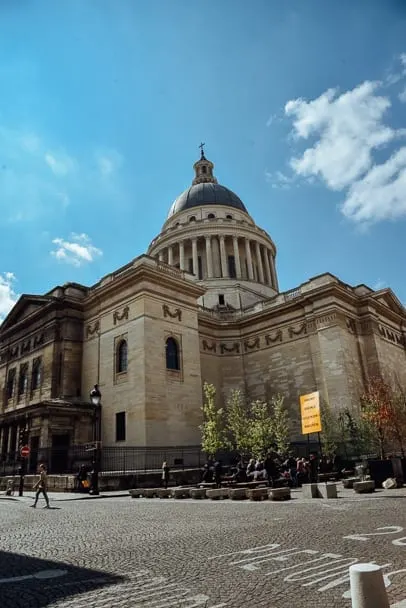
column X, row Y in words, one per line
column 310, row 413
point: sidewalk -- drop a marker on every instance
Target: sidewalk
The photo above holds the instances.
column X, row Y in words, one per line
column 63, row 496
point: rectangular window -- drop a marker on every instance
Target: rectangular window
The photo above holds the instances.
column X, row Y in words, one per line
column 231, row 267
column 191, row 265
column 10, row 383
column 120, row 426
column 221, row 299
column 200, row 268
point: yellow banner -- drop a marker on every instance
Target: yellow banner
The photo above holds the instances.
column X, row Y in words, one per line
column 310, row 413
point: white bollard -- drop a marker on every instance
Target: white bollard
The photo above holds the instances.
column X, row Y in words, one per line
column 367, row 587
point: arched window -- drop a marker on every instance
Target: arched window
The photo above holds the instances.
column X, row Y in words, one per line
column 36, row 375
column 211, row 216
column 229, row 217
column 172, row 354
column 192, row 218
column 204, row 169
column 122, row 357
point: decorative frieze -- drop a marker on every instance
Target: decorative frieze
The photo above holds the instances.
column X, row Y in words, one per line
column 93, row 329
column 212, row 347
column 302, row 329
column 251, row 345
column 123, row 316
column 26, row 347
column 276, row 337
column 326, row 319
column 38, row 340
column 392, row 336
column 176, row 314
column 351, row 325
column 234, row 348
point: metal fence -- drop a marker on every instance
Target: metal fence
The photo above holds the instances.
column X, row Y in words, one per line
column 124, row 460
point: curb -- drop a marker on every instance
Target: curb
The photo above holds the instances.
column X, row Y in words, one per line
column 100, row 496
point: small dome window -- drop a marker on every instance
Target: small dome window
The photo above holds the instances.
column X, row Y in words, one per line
column 229, row 217
column 211, row 216
column 192, row 218
column 204, row 169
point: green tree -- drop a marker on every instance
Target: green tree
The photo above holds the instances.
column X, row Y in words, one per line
column 213, row 428
column 260, row 428
column 280, row 425
column 330, row 431
column 238, row 422
column 377, row 411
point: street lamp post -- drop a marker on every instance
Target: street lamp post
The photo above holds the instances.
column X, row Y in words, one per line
column 95, row 398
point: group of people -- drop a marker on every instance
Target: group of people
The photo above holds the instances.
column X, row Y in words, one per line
column 272, row 469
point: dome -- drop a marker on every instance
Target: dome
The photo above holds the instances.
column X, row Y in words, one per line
column 206, row 194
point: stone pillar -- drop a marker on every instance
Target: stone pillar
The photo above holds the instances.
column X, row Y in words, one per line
column 273, row 272
column 259, row 262
column 224, row 266
column 161, row 256
column 170, row 255
column 237, row 257
column 249, row 259
column 267, row 266
column 209, row 258
column 182, row 255
column 1, row 439
column 194, row 255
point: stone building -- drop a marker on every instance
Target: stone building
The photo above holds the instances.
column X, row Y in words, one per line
column 202, row 305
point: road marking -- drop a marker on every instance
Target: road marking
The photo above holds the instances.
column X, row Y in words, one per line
column 365, row 537
column 41, row 575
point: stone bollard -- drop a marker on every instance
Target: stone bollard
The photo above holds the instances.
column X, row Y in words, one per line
column 258, row 494
column 217, row 494
column 180, row 492
column 327, row 490
column 310, row 490
column 364, row 487
column 348, row 483
column 164, row 493
column 151, row 492
column 137, row 493
column 279, row 494
column 367, row 586
column 197, row 493
column 237, row 493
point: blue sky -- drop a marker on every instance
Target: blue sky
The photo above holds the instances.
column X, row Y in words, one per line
column 302, row 105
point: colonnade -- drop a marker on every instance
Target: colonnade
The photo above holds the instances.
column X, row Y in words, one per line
column 255, row 262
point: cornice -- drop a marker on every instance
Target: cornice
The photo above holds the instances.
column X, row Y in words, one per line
column 146, row 270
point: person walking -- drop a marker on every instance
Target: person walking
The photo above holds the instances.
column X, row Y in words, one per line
column 165, row 474
column 41, row 486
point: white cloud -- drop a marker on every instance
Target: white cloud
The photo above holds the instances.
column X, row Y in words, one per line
column 381, row 193
column 8, row 297
column 60, row 165
column 77, row 251
column 344, row 131
column 280, row 180
column 348, row 127
column 108, row 162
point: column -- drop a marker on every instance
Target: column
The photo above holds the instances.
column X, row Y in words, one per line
column 194, row 255
column 249, row 259
column 224, row 267
column 182, row 255
column 170, row 255
column 161, row 256
column 237, row 257
column 267, row 266
column 209, row 258
column 259, row 262
column 273, row 272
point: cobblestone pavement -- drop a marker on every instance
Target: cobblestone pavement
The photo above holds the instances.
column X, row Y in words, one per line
column 123, row 552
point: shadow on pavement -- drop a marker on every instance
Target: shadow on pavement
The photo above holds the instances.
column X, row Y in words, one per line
column 28, row 581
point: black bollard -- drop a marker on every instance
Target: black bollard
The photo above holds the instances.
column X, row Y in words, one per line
column 21, row 472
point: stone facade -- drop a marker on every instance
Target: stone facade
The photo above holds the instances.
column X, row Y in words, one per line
column 202, row 305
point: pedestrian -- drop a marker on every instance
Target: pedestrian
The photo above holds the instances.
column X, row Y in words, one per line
column 165, row 474
column 41, row 486
column 218, row 472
